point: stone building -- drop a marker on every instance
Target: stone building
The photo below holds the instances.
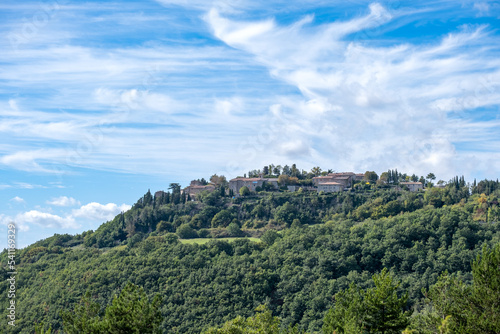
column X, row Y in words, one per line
column 413, row 186
column 251, row 183
column 345, row 179
column 196, row 187
column 329, row 187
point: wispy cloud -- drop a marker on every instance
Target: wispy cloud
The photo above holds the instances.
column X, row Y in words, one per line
column 374, row 105
column 18, row 199
column 63, row 201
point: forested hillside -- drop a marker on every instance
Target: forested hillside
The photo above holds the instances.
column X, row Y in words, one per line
column 312, row 245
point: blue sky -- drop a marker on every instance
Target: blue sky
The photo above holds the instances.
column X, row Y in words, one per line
column 101, row 101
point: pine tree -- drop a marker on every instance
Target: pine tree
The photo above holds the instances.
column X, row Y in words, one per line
column 84, row 319
column 148, row 198
column 383, row 308
column 376, row 310
column 471, row 309
column 347, row 314
column 132, row 312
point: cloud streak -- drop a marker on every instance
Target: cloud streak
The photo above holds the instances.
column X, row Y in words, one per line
column 63, row 201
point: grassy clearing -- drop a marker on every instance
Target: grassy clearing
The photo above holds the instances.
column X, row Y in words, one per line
column 201, row 241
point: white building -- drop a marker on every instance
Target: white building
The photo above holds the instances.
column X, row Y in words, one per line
column 329, row 187
column 413, row 186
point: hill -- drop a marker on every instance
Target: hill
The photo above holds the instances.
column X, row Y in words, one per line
column 311, row 246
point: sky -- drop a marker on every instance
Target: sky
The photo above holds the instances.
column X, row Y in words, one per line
column 101, row 101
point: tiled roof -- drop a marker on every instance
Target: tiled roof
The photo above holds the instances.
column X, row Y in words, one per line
column 254, row 179
column 199, row 187
column 341, row 174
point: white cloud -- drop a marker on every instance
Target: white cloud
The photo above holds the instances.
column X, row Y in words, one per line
column 99, row 212
column 223, row 5
column 45, row 219
column 229, row 107
column 24, row 185
column 63, row 201
column 482, row 7
column 18, row 199
column 90, row 213
column 134, row 99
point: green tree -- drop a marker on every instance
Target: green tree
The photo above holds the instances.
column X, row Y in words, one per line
column 269, row 237
column 186, row 232
column 472, row 309
column 384, row 178
column 218, row 180
column 175, row 187
column 132, row 312
column 286, row 213
column 376, row 310
column 384, row 310
column 347, row 314
column 234, row 229
column 371, row 176
column 316, row 171
column 83, row 319
column 163, row 226
column 283, row 179
column 244, row 191
column 39, row 329
column 261, row 323
column 222, row 219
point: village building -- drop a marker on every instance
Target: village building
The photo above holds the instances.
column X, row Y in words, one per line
column 413, row 186
column 329, row 187
column 322, row 179
column 159, row 194
column 251, row 183
column 196, row 187
column 359, row 177
column 293, row 188
column 345, row 179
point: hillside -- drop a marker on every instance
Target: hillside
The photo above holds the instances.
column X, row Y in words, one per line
column 311, row 246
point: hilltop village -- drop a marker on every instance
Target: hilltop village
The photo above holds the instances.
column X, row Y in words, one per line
column 296, row 239
column 325, row 182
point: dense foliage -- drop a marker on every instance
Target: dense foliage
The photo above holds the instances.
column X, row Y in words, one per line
column 326, row 243
column 211, row 215
column 129, row 312
column 376, row 310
